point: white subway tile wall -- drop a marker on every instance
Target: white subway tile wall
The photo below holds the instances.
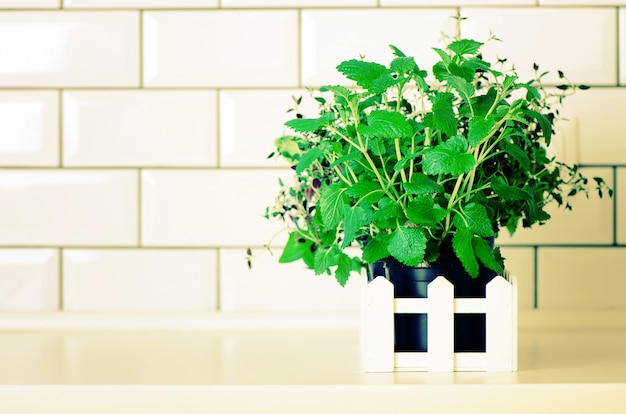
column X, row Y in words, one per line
column 134, row 137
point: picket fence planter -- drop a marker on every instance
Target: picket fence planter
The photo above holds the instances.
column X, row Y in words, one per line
column 499, row 307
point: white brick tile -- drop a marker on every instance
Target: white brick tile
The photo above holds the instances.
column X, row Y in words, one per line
column 620, row 190
column 589, row 222
column 68, row 207
column 458, row 3
column 572, row 44
column 594, row 123
column 208, row 208
column 144, row 4
column 520, row 262
column 139, row 128
column 29, row 128
column 297, row 3
column 29, row 279
column 139, row 279
column 582, row 2
column 69, row 49
column 332, row 36
column 581, row 278
column 28, row 4
column 270, row 286
column 220, row 48
column 250, row 121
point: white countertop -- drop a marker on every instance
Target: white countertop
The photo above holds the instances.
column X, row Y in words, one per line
column 568, row 370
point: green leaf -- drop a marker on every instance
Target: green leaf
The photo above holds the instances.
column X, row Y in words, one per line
column 408, row 245
column 462, row 246
column 305, row 125
column 384, row 124
column 486, row 255
column 366, row 191
column 387, row 209
column 476, row 219
column 344, row 266
column 403, row 65
column 307, row 159
column 294, row 249
column 544, row 124
column 519, row 155
column 396, row 51
column 479, row 128
column 377, row 146
column 465, row 47
column 353, row 219
column 363, row 73
column 424, row 210
column 450, row 157
column 376, row 248
column 443, row 117
column 422, row 184
column 507, row 192
column 325, row 258
column 331, row 204
column 464, row 88
column 445, row 58
column 288, row 147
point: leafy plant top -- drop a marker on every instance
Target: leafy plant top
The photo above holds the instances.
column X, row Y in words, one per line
column 421, row 166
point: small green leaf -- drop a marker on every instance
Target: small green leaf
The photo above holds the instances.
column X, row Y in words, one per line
column 353, row 219
column 462, row 246
column 486, row 255
column 424, row 210
column 477, row 219
column 507, row 192
column 403, row 65
column 408, row 245
column 464, row 88
column 344, row 266
column 384, row 124
column 331, row 204
column 305, row 125
column 445, row 58
column 325, row 258
column 396, row 51
column 443, row 117
column 376, row 248
column 544, row 124
column 366, row 191
column 450, row 157
column 479, row 129
column 465, row 47
column 387, row 209
column 307, row 159
column 363, row 73
column 422, row 184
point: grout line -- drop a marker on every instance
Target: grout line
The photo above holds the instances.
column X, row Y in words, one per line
column 218, row 131
column 218, row 280
column 619, row 30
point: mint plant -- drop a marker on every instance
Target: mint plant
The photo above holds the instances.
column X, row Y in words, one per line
column 422, row 167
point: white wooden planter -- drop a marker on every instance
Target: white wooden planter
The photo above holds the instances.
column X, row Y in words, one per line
column 499, row 306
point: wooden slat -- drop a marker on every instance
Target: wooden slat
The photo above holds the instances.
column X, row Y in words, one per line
column 499, row 335
column 440, row 325
column 379, row 336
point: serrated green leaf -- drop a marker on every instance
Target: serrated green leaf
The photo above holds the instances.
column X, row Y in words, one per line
column 464, row 88
column 307, row 159
column 384, row 124
column 462, row 246
column 479, row 129
column 518, row 155
column 424, row 210
column 344, row 266
column 362, row 72
column 353, row 219
column 445, row 58
column 422, row 184
column 486, row 255
column 408, row 245
column 376, row 248
column 403, row 65
column 507, row 192
column 450, row 157
column 305, row 125
column 331, row 205
column 544, row 124
column 377, row 146
column 465, row 47
column 396, row 51
column 366, row 191
column 382, row 83
column 443, row 117
column 324, row 259
column 387, row 209
column 476, row 219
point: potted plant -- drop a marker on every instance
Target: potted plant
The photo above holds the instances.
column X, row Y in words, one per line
column 421, row 170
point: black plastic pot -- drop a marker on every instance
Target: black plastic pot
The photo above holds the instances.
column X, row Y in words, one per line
column 412, row 282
